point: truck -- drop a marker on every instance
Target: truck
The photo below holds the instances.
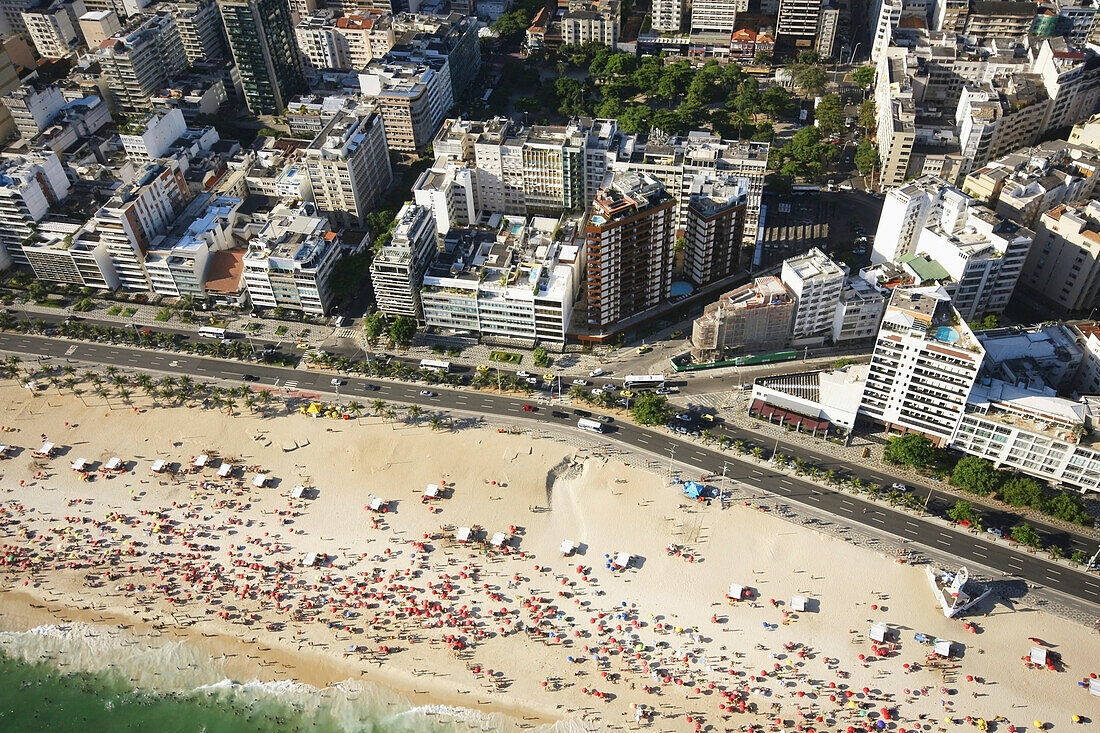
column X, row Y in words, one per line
column 593, row 426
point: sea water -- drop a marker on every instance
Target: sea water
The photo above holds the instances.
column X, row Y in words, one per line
column 83, row 678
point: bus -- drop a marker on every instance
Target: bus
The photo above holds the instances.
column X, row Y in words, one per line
column 593, row 426
column 644, row 381
column 439, row 366
column 211, row 332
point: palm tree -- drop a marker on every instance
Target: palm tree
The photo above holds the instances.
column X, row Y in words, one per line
column 265, row 398
column 118, row 380
column 93, row 377
column 707, row 436
column 229, row 404
column 70, row 383
column 355, row 408
column 434, row 422
column 250, row 402
column 102, row 392
column 1055, row 551
column 185, row 382
column 68, row 370
column 111, row 371
column 390, row 414
column 7, row 320
column 80, row 395
column 379, row 406
column 124, row 394
column 414, row 412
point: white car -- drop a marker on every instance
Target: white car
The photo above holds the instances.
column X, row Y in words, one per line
column 597, row 392
column 595, row 372
column 523, row 374
column 580, row 382
column 903, row 488
column 336, row 382
column 427, row 393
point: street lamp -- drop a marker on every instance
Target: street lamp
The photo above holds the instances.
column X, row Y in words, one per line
column 671, row 455
column 852, row 58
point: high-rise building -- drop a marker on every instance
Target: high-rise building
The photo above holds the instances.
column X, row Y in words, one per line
column 261, row 37
column 628, row 249
column 754, row 317
column 950, row 16
column 201, row 30
column 713, row 16
column 30, row 185
column 924, row 365
column 666, row 16
column 397, row 271
column 53, row 27
column 412, row 100
column 321, row 46
column 715, row 229
column 1063, row 268
column 137, row 62
column 9, row 81
column 12, row 11
column 816, row 283
column 348, row 165
column 152, row 135
column 33, row 107
column 999, row 19
column 97, row 26
column 797, row 24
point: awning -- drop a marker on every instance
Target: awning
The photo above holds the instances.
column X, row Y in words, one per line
column 1039, row 655
column 498, row 539
column 567, row 547
column 224, row 470
column 200, row 461
column 879, row 632
column 158, row 465
column 432, row 491
column 259, row 481
column 113, row 463
column 735, row 592
column 297, row 492
column 943, row 647
column 798, row 603
column 463, row 534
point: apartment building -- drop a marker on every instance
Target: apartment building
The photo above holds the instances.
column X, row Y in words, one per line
column 30, row 185
column 178, row 265
column 587, row 21
column 96, row 26
column 261, row 39
column 201, row 31
column 449, row 192
column 859, row 311
column 796, row 26
column 397, row 270
column 348, row 165
column 951, row 15
column 754, row 317
column 1063, row 269
column 33, row 107
column 815, row 282
column 999, row 18
column 12, row 12
column 628, row 250
column 152, row 135
column 513, row 286
column 1002, row 115
column 412, row 100
column 80, row 118
column 53, row 27
column 907, row 209
column 54, row 256
column 924, row 365
column 139, row 61
column 321, row 46
column 290, row 261
column 715, row 229
column 1071, row 80
column 666, row 16
column 714, row 16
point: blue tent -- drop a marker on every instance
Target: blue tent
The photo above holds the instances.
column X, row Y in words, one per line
column 693, row 489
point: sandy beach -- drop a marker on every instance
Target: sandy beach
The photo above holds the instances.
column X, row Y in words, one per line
column 520, row 633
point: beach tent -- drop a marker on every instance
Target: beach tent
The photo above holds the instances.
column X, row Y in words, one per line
column 259, row 481
column 200, row 461
column 431, row 492
column 1039, row 655
column 463, row 534
column 3, row 450
column 879, row 632
column 693, row 489
column 498, row 539
column 798, row 603
column 567, row 547
column 622, row 560
column 80, row 464
column 376, row 504
column 736, row 592
column 45, row 450
column 315, row 409
column 310, row 559
column 297, row 492
column 159, row 465
column 1094, row 687
column 224, row 470
column 943, row 647
column 114, row 463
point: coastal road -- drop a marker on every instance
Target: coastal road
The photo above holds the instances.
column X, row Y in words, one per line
column 982, row 549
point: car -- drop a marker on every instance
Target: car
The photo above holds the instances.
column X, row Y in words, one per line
column 627, row 394
column 582, row 413
column 250, row 378
column 681, row 430
column 336, row 382
column 707, row 416
column 301, row 345
column 610, row 387
column 596, row 372
column 523, row 374
column 427, row 393
column 996, row 532
column 559, row 413
column 898, row 486
column 605, row 418
column 685, row 417
column 371, row 387
column 644, row 348
column 663, row 390
column 580, row 382
column 676, row 334
column 532, row 380
column 529, row 408
column 597, row 392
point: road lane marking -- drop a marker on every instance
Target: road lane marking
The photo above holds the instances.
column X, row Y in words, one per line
column 978, row 554
column 1053, row 571
column 945, row 543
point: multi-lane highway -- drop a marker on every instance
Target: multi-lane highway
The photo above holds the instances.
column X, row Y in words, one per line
column 983, row 549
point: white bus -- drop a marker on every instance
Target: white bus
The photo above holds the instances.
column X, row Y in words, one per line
column 593, row 426
column 211, row 332
column 440, row 366
column 644, row 381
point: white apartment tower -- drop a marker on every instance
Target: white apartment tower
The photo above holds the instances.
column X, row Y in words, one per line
column 1063, row 268
column 907, row 209
column 816, row 283
column 138, row 63
column 33, row 107
column 924, row 365
column 29, row 186
column 201, row 31
column 54, row 29
column 397, row 271
column 667, row 15
column 348, row 165
column 714, row 16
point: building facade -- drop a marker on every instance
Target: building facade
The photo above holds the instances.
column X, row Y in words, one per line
column 397, row 270
column 816, row 283
column 348, row 165
column 261, row 38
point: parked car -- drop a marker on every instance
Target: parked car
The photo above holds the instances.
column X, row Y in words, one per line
column 523, row 374
column 605, row 418
column 595, row 372
column 597, row 392
column 996, row 532
column 676, row 334
column 685, row 417
column 580, row 382
column 532, row 380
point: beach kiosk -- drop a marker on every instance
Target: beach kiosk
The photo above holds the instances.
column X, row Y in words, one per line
column 431, row 492
column 200, row 461
column 224, row 470
column 879, row 632
column 297, row 492
column 736, row 592
column 942, row 648
column 798, row 603
column 259, row 481
column 498, row 540
column 46, row 451
column 567, row 547
column 621, row 561
column 114, row 463
column 463, row 534
column 159, row 466
column 80, row 465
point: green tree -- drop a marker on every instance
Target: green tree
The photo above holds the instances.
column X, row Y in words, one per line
column 776, row 103
column 1022, row 491
column 909, row 450
column 867, row 115
column 402, row 330
column 864, row 76
column 810, row 79
column 976, row 475
column 570, row 95
column 1025, row 534
column 651, row 409
column 511, row 27
column 866, row 156
column 984, row 324
column 541, row 357
column 636, row 118
column 374, row 326
column 1068, row 508
column 963, row 510
column 762, row 58
column 830, row 114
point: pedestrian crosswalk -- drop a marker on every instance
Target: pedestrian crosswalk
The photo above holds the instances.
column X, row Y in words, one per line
column 290, row 384
column 345, row 333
